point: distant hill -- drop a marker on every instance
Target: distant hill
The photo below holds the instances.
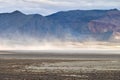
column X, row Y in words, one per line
column 64, row 25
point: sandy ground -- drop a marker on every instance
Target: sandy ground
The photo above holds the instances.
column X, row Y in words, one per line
column 57, row 67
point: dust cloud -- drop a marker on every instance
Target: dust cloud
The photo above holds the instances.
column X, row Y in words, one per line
column 55, row 44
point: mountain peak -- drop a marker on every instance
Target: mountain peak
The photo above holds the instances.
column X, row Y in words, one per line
column 113, row 12
column 17, row 12
column 115, row 9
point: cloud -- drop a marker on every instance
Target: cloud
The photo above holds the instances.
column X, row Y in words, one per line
column 50, row 2
column 46, row 7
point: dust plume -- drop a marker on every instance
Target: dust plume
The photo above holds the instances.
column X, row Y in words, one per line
column 55, row 44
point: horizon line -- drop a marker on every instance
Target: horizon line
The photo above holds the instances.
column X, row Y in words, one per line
column 22, row 12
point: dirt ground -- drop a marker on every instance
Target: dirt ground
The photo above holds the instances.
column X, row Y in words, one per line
column 56, row 69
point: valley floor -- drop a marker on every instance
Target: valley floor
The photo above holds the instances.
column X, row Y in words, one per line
column 89, row 68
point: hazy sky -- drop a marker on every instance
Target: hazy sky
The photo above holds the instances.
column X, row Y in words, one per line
column 46, row 7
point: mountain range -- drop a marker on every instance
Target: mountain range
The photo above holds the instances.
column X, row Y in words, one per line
column 79, row 25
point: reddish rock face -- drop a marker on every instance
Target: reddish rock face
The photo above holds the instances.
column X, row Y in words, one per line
column 101, row 27
column 110, row 22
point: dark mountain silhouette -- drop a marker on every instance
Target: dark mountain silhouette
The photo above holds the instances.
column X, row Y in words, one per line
column 70, row 25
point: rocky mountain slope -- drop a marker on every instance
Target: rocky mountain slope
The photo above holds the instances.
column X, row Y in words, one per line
column 64, row 25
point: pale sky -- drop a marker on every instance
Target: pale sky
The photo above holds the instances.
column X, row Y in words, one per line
column 46, row 7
